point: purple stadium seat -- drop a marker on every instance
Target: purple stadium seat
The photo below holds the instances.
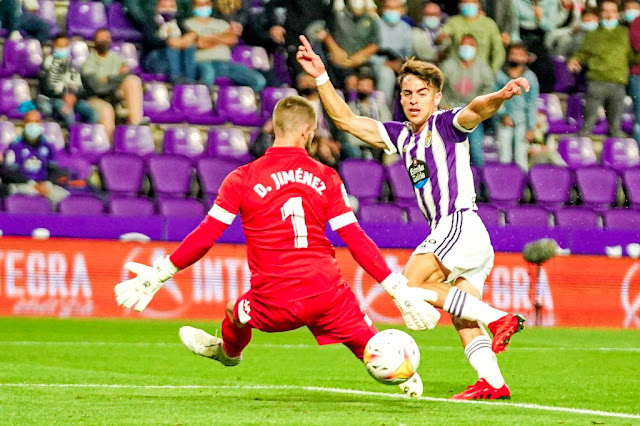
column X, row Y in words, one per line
column 575, row 111
column 130, row 206
column 382, row 213
column 622, row 219
column 527, row 216
column 185, row 141
column 565, row 79
column 549, row 103
column 157, row 105
column 280, row 68
column 403, row 192
column 194, row 101
column 181, row 207
column 271, row 96
column 620, row 154
column 8, row 134
column 53, row 134
column 212, row 171
column 551, row 184
column 47, row 12
column 631, row 181
column 254, row 57
column 363, row 179
column 170, row 175
column 122, row 173
column 13, row 92
column 229, row 142
column 134, row 139
column 81, row 204
column 415, row 214
column 84, row 18
column 597, row 186
column 27, row 204
column 576, row 217
column 79, row 167
column 238, row 105
column 89, row 140
column 23, row 57
column 129, row 52
column 120, row 26
column 490, row 215
column 577, row 152
column 79, row 53
column 504, row 182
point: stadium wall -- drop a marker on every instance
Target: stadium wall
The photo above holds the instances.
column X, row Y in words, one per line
column 75, row 278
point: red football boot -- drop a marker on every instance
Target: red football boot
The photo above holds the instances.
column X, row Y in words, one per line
column 483, row 390
column 503, row 329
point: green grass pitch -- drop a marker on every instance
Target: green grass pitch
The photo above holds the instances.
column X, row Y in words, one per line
column 137, row 372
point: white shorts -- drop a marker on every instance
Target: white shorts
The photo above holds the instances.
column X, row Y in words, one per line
column 461, row 242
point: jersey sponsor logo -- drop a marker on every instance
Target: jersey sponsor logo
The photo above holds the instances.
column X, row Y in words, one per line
column 419, row 173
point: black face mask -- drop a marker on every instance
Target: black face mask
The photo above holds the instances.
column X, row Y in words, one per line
column 363, row 95
column 307, row 91
column 514, row 64
column 102, row 47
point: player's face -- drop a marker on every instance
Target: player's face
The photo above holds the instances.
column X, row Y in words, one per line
column 418, row 101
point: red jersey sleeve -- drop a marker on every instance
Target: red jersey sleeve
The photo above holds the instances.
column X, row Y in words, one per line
column 227, row 203
column 339, row 212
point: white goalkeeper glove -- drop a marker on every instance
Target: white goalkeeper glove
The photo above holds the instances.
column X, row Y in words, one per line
column 417, row 313
column 149, row 279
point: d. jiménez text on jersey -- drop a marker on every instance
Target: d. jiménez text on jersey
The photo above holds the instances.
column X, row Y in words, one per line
column 289, row 176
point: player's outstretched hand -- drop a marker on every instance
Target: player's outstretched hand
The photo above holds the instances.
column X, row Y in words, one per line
column 514, row 87
column 308, row 59
column 412, row 303
column 140, row 290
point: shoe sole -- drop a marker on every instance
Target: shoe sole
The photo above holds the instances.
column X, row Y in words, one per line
column 520, row 327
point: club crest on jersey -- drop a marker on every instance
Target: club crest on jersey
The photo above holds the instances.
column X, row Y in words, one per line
column 419, row 173
column 427, row 142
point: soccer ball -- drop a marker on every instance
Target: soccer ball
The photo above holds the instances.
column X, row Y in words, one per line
column 391, row 357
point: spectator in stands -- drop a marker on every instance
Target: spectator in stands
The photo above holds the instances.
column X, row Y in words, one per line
column 364, row 105
column 263, row 141
column 425, row 34
column 15, row 19
column 632, row 16
column 350, row 42
column 215, row 39
column 108, row 80
column 483, row 28
column 501, row 11
column 31, row 165
column 235, row 12
column 606, row 53
column 534, row 20
column 395, row 46
column 140, row 11
column 588, row 23
column 560, row 40
column 467, row 77
column 61, row 93
column 166, row 48
column 518, row 116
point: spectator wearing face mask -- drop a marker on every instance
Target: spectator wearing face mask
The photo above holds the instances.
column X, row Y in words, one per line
column 632, row 17
column 30, row 163
column 560, row 40
column 21, row 15
column 61, row 92
column 483, row 28
column 424, row 36
column 518, row 116
column 605, row 53
column 467, row 77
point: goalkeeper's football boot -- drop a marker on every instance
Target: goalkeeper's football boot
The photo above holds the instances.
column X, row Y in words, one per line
column 503, row 329
column 483, row 390
column 202, row 343
column 413, row 386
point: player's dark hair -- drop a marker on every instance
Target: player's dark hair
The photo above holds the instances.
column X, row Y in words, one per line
column 425, row 71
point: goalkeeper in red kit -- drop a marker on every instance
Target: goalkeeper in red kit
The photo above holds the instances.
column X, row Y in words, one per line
column 285, row 200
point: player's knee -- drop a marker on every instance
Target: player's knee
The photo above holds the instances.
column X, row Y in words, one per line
column 230, row 307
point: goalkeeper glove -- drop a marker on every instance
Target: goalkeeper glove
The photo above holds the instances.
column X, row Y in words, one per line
column 417, row 313
column 148, row 280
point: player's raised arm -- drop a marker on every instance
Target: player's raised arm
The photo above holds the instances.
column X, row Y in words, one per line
column 483, row 107
column 140, row 290
column 363, row 128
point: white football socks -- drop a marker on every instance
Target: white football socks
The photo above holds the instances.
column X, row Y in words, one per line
column 484, row 361
column 463, row 305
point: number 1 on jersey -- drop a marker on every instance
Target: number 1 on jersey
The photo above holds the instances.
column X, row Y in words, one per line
column 293, row 207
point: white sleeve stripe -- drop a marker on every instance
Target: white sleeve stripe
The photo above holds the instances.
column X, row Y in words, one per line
column 342, row 221
column 221, row 214
column 391, row 148
column 458, row 126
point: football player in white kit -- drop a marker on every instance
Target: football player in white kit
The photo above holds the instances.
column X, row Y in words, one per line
column 457, row 256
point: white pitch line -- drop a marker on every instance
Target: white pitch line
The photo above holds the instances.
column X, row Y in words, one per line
column 303, row 346
column 333, row 390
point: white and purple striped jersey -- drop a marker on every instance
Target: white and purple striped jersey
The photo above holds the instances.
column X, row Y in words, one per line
column 438, row 163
